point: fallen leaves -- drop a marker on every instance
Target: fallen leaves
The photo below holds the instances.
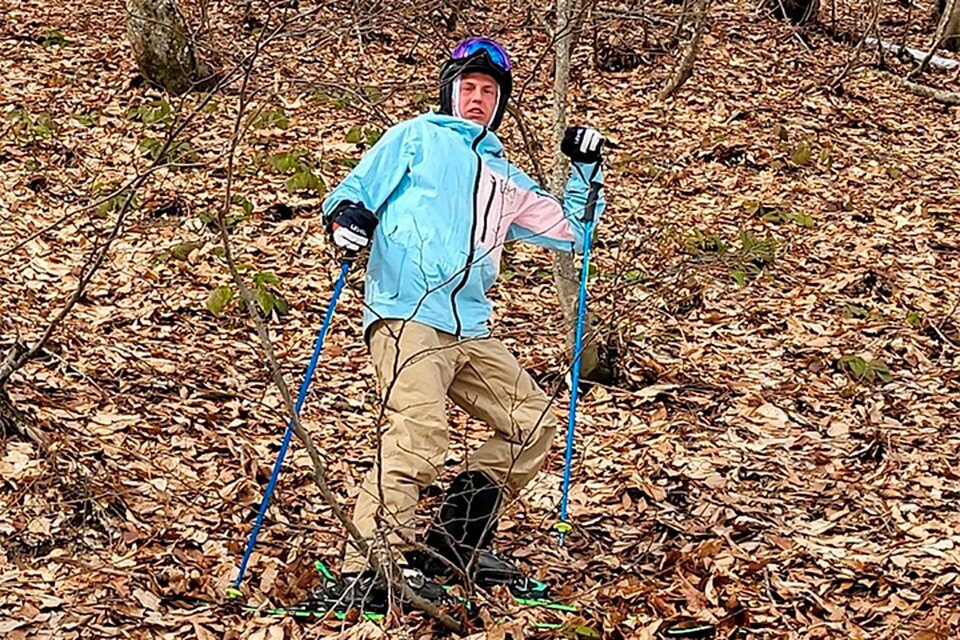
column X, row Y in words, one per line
column 743, row 470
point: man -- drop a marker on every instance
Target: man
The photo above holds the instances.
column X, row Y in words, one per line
column 435, row 200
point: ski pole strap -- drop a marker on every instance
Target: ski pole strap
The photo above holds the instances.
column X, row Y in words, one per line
column 234, row 591
column 590, row 209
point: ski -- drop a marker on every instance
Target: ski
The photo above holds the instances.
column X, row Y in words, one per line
column 535, row 586
column 331, row 584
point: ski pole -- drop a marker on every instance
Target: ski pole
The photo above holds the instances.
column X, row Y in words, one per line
column 563, row 527
column 234, row 591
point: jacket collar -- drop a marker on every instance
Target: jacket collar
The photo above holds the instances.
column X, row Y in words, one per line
column 469, row 131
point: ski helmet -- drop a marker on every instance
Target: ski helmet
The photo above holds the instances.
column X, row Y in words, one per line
column 481, row 55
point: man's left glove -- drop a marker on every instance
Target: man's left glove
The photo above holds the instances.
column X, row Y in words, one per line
column 351, row 226
column 582, row 144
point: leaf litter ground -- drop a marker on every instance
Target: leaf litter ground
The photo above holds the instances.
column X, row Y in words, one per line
column 777, row 273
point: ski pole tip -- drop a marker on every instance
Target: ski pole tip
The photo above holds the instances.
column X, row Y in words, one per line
column 562, row 527
column 233, row 593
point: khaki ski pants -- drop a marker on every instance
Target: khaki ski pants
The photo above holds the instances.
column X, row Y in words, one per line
column 418, row 367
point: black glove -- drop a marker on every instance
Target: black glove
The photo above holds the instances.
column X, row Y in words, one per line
column 582, row 144
column 351, row 226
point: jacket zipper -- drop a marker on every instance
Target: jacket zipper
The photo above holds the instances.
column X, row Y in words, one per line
column 470, row 241
column 486, row 212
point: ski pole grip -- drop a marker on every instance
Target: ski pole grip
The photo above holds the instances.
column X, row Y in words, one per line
column 590, row 210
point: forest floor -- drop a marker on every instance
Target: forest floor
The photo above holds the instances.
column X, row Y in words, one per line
column 777, row 285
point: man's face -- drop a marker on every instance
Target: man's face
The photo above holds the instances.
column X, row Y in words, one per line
column 478, row 97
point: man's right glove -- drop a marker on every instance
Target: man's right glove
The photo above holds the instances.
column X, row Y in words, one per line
column 582, row 144
column 351, row 226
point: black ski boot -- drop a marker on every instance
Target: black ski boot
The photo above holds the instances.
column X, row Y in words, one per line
column 463, row 534
column 368, row 593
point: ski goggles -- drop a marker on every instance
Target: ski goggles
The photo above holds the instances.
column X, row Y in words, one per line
column 472, row 46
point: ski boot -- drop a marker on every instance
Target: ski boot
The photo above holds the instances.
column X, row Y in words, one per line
column 368, row 593
column 462, row 534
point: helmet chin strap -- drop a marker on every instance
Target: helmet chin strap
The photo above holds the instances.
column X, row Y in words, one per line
column 456, row 102
column 455, row 97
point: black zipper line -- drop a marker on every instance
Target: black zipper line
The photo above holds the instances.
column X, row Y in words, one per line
column 486, row 212
column 470, row 240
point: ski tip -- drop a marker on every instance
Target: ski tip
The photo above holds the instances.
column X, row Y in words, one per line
column 233, row 593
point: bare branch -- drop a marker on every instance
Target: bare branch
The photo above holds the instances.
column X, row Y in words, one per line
column 940, row 62
column 874, row 19
column 948, row 11
column 529, row 142
column 925, row 91
column 685, row 70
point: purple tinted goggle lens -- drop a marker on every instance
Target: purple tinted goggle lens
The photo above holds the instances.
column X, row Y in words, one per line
column 472, row 46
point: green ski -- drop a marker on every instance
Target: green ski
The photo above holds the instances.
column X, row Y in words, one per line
column 326, row 605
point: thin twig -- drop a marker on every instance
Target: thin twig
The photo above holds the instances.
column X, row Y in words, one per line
column 948, row 10
column 874, row 17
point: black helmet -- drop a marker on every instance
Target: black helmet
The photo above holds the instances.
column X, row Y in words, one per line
column 480, row 55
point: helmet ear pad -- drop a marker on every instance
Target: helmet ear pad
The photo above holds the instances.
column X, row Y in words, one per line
column 480, row 63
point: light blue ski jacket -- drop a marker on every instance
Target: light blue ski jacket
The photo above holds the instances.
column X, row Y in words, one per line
column 447, row 200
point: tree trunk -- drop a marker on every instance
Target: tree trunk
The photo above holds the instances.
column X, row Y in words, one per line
column 951, row 30
column 797, row 11
column 162, row 48
column 566, row 274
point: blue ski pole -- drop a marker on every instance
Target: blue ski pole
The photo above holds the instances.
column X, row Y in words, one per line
column 563, row 527
column 234, row 591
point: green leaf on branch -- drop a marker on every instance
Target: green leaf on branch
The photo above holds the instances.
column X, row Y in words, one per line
column 150, row 147
column 267, row 299
column 304, row 180
column 184, row 249
column 592, row 271
column 154, row 112
column 284, row 162
column 263, row 278
column 355, row 134
column 114, row 204
column 271, row 118
column 218, row 299
column 245, row 204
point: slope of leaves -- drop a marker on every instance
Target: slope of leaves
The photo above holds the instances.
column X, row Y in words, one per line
column 777, row 278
